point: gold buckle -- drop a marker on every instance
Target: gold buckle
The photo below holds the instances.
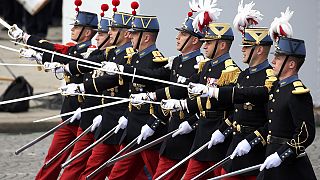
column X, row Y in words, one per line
column 268, row 139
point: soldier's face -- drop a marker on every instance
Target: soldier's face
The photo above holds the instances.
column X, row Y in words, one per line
column 277, row 62
column 246, row 53
column 113, row 34
column 181, row 40
column 208, row 48
column 134, row 37
column 75, row 31
column 101, row 37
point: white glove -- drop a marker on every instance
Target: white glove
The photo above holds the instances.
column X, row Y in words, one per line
column 174, row 105
column 170, row 62
column 55, row 67
column 146, row 132
column 90, row 49
column 242, row 148
column 184, row 128
column 137, row 99
column 111, row 67
column 122, row 124
column 96, row 122
column 15, row 33
column 71, row 89
column 76, row 115
column 216, row 138
column 30, row 54
column 271, row 161
column 181, row 79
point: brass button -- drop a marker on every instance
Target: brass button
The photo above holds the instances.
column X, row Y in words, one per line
column 209, row 70
column 273, row 100
column 180, row 65
column 137, row 61
column 236, row 110
column 247, row 77
column 271, row 110
column 277, row 90
column 205, row 77
column 269, row 132
column 270, row 121
column 114, row 58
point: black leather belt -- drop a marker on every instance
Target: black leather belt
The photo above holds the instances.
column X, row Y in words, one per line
column 276, row 140
column 244, row 129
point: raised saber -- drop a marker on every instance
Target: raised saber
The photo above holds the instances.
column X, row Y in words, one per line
column 48, row 163
column 4, row 23
column 98, row 64
column 30, row 97
column 82, row 110
column 226, row 159
column 103, row 138
column 127, row 147
column 24, row 65
column 241, row 171
column 142, row 148
column 183, row 161
column 10, row 49
column 42, row 137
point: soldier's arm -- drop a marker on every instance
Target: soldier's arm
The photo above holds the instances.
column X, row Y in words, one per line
column 101, row 83
column 301, row 108
column 44, row 44
column 158, row 119
column 77, row 67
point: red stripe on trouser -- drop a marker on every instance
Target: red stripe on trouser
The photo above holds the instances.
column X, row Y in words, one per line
column 77, row 166
column 196, row 167
column 237, row 177
column 61, row 138
column 100, row 154
column 165, row 164
column 130, row 167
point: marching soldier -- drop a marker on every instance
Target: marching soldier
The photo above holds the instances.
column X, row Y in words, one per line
column 290, row 128
column 111, row 85
column 78, row 166
column 82, row 32
column 144, row 33
column 178, row 70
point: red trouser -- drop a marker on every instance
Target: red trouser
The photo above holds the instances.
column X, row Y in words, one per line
column 77, row 166
column 130, row 167
column 196, row 167
column 165, row 164
column 237, row 177
column 61, row 138
column 100, row 154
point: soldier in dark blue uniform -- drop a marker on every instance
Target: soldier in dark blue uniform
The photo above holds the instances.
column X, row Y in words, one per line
column 144, row 34
column 217, row 70
column 290, row 128
column 82, row 32
column 110, row 85
column 177, row 70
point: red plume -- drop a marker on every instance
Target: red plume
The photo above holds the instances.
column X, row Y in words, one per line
column 77, row 3
column 115, row 3
column 134, row 6
column 104, row 7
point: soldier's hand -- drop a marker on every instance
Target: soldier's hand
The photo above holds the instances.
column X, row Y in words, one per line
column 15, row 33
column 111, row 67
column 122, row 124
column 202, row 90
column 138, row 99
column 96, row 122
column 216, row 138
column 76, row 115
column 184, row 128
column 174, row 105
column 30, row 54
column 72, row 89
column 170, row 62
column 242, row 148
column 271, row 161
column 181, row 79
column 55, row 67
column 146, row 132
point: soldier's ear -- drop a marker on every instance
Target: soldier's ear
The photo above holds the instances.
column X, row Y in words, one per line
column 195, row 40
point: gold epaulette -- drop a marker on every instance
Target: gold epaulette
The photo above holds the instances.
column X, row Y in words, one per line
column 230, row 74
column 270, row 79
column 201, row 64
column 299, row 88
column 108, row 49
column 130, row 52
column 158, row 57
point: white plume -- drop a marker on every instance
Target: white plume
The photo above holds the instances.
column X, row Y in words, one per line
column 246, row 16
column 207, row 12
column 281, row 26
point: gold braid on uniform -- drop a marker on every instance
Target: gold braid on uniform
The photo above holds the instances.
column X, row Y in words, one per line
column 270, row 79
column 130, row 52
column 297, row 144
column 201, row 64
column 229, row 75
column 107, row 50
